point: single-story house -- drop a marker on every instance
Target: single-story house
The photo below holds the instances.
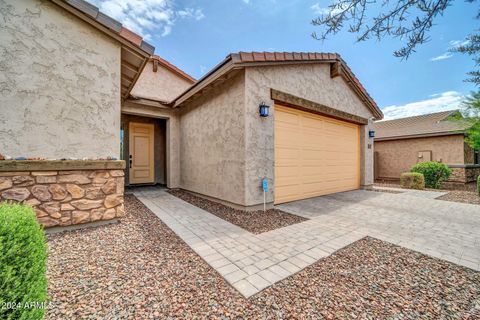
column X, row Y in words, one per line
column 90, row 107
column 401, row 143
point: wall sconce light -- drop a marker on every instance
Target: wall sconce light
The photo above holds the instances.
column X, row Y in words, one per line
column 263, row 110
column 371, row 133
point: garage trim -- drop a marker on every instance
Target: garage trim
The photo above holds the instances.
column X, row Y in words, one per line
column 292, row 101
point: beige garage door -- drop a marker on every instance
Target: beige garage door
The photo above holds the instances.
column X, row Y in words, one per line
column 314, row 155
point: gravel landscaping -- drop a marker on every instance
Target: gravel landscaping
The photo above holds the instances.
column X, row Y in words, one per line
column 253, row 221
column 139, row 269
column 461, row 196
column 446, row 186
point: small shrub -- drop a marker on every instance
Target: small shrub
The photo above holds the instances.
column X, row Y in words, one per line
column 433, row 172
column 478, row 185
column 23, row 256
column 412, row 180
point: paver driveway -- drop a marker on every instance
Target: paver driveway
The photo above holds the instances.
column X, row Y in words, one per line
column 252, row 262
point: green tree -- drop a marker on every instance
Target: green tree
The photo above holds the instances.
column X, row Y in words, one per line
column 472, row 48
column 472, row 113
column 407, row 20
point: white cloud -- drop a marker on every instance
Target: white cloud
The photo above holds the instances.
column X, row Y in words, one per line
column 458, row 43
column 448, row 54
column 196, row 14
column 448, row 100
column 203, row 69
column 318, row 9
column 147, row 17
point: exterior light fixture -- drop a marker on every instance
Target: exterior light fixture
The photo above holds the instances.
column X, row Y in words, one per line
column 371, row 133
column 263, row 110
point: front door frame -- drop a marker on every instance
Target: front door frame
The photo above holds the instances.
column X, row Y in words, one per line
column 150, row 133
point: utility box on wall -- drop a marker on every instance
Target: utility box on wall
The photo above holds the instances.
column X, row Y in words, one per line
column 424, row 156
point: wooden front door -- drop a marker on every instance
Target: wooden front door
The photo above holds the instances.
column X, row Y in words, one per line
column 141, row 160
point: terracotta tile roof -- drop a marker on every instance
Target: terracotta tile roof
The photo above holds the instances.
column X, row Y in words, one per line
column 131, row 36
column 281, row 56
column 417, row 126
column 173, row 68
column 113, row 25
column 286, row 57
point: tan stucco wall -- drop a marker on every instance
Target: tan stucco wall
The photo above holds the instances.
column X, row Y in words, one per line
column 172, row 157
column 312, row 82
column 397, row 156
column 163, row 85
column 60, row 84
column 212, row 130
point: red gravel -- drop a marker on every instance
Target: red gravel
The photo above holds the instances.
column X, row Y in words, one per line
column 139, row 269
column 461, row 196
column 253, row 221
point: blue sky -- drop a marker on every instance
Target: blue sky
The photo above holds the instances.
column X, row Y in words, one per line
column 196, row 35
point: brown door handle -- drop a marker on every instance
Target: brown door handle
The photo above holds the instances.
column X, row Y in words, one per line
column 130, row 163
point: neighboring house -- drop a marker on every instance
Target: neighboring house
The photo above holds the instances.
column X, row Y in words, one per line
column 401, row 143
column 79, row 85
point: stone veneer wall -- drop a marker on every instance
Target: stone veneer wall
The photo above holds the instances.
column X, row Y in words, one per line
column 66, row 197
column 464, row 174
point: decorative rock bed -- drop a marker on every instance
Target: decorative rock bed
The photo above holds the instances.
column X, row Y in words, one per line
column 140, row 269
column 61, row 196
column 253, row 221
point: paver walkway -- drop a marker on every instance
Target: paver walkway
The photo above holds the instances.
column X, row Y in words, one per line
column 252, row 262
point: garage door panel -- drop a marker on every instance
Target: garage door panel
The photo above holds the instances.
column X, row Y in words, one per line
column 287, row 172
column 285, row 153
column 287, row 118
column 287, row 193
column 335, row 170
column 289, row 138
column 320, row 187
column 314, row 155
column 313, row 125
column 327, row 178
